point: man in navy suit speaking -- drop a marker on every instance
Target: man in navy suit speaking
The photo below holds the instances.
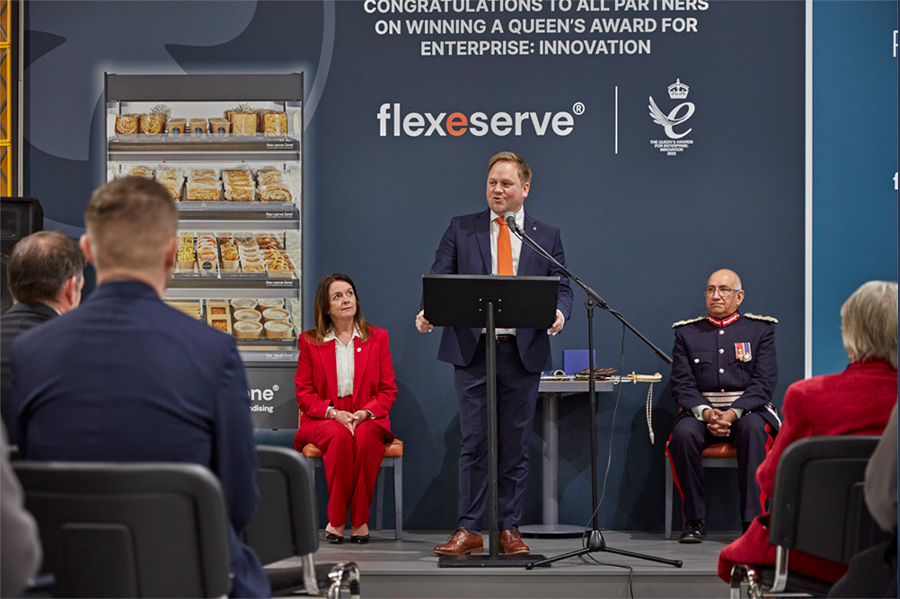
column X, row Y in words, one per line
column 481, row 244
column 127, row 378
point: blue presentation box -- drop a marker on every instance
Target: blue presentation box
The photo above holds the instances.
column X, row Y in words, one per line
column 575, row 360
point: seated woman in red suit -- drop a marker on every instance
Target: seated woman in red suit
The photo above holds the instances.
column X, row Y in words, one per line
column 345, row 389
column 857, row 401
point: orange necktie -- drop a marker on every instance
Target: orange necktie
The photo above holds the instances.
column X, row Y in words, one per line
column 504, row 250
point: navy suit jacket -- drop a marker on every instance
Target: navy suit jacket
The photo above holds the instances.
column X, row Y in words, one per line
column 705, row 359
column 21, row 317
column 465, row 249
column 127, row 378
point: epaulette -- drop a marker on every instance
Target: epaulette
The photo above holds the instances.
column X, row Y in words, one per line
column 762, row 318
column 681, row 323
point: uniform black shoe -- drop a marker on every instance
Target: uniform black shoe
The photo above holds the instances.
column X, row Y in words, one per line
column 694, row 532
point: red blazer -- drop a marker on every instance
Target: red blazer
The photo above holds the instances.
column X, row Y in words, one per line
column 857, row 401
column 374, row 388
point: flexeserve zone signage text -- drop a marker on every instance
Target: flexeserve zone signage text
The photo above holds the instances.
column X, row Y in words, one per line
column 395, row 121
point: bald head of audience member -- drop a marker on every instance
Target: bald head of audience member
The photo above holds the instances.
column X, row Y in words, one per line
column 46, row 267
column 869, row 323
column 132, row 226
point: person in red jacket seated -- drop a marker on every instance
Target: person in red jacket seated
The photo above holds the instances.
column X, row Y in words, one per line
column 345, row 389
column 857, row 401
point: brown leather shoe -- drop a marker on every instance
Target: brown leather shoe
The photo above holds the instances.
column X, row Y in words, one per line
column 511, row 542
column 462, row 542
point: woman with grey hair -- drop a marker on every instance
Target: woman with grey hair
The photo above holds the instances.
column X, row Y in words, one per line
column 857, row 401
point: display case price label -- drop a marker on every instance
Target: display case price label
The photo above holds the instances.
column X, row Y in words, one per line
column 279, row 215
column 281, row 283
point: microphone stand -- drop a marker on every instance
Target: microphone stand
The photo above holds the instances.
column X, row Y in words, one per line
column 596, row 542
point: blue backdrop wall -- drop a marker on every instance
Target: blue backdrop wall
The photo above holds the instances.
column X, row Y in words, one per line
column 854, row 161
column 645, row 214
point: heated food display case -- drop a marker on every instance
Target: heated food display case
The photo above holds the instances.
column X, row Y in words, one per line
column 229, row 149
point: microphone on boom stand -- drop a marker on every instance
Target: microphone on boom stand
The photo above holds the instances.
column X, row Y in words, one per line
column 596, row 542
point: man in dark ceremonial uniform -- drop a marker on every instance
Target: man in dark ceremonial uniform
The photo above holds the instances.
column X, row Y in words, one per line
column 723, row 376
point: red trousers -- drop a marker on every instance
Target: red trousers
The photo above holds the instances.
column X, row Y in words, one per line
column 351, row 466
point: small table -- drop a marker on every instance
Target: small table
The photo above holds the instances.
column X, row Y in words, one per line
column 550, row 392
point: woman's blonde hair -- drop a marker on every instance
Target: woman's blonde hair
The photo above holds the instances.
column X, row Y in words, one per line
column 869, row 322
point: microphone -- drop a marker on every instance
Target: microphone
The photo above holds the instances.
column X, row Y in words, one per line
column 510, row 218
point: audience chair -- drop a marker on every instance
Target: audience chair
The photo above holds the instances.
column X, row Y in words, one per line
column 129, row 529
column 393, row 458
column 818, row 507
column 717, row 455
column 286, row 526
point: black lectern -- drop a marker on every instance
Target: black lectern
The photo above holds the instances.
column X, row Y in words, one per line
column 490, row 302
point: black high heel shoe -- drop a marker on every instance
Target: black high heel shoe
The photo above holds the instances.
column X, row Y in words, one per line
column 359, row 539
column 333, row 538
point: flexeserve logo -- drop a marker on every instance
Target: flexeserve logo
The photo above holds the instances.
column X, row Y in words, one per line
column 262, row 395
column 394, row 121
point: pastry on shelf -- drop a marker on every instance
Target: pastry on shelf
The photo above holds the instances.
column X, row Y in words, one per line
column 243, row 121
column 239, row 186
column 152, row 124
column 219, row 126
column 272, row 187
column 127, row 124
column 173, row 180
column 203, row 185
column 189, row 307
column 140, row 171
column 273, row 123
column 176, row 126
column 197, row 126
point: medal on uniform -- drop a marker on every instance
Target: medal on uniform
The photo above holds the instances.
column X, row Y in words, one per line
column 742, row 352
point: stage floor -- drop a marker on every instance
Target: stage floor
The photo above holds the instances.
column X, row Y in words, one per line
column 408, row 568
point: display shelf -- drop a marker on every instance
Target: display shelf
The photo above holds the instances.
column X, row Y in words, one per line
column 175, row 127
column 218, row 215
column 210, row 148
column 177, row 100
column 269, row 355
column 208, row 288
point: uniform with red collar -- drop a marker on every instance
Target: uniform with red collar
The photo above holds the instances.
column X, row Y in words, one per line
column 725, row 363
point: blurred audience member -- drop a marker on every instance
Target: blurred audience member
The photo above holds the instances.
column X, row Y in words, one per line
column 127, row 378
column 857, row 401
column 20, row 546
column 44, row 276
column 873, row 572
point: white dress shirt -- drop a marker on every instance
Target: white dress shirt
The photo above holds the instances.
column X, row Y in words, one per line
column 516, row 246
column 345, row 362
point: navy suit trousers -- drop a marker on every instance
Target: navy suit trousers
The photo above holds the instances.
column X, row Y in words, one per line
column 752, row 437
column 517, row 391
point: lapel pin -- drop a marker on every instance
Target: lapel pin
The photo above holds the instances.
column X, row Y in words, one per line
column 358, row 349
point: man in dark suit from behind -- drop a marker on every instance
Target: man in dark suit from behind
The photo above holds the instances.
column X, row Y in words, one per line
column 128, row 378
column 45, row 274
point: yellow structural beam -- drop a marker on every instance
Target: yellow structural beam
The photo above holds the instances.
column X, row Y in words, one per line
column 5, row 100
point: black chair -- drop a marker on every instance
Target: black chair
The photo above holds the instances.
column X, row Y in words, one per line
column 818, row 507
column 129, row 529
column 286, row 526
